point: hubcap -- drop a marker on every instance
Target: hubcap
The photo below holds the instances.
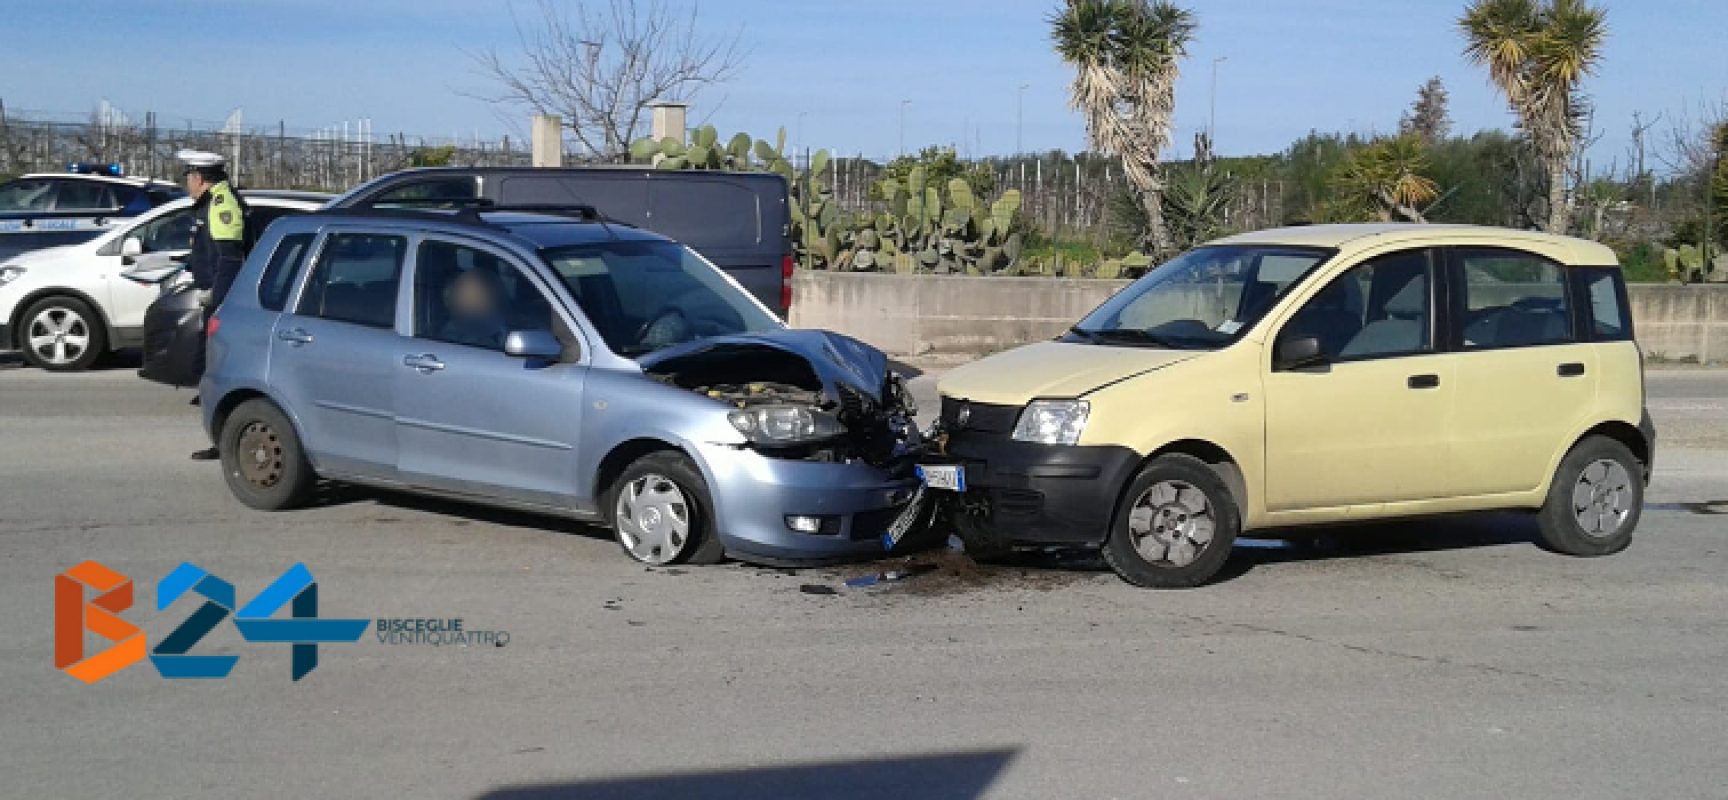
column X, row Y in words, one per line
column 58, row 335
column 653, row 519
column 1602, row 498
column 258, row 455
column 1171, row 523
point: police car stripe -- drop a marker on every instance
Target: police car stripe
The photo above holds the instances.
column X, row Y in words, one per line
column 57, row 224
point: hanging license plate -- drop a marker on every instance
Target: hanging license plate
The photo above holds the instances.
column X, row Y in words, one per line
column 905, row 520
column 949, row 477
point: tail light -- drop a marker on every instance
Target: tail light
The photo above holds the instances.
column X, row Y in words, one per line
column 786, row 265
column 212, row 325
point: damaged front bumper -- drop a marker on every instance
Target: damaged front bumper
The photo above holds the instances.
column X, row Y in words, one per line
column 755, row 495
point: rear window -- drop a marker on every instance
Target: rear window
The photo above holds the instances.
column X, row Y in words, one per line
column 278, row 280
column 1513, row 299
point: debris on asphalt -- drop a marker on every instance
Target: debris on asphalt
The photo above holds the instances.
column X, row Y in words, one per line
column 816, row 588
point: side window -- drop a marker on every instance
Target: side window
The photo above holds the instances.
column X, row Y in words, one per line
column 278, row 279
column 1512, row 299
column 26, row 195
column 165, row 233
column 355, row 280
column 1377, row 309
column 1605, row 288
column 435, row 193
column 82, row 196
column 470, row 297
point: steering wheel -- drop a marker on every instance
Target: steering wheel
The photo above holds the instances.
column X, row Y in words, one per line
column 666, row 326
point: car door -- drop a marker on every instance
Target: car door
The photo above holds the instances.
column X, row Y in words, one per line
column 1525, row 381
column 334, row 355
column 162, row 239
column 1368, row 423
column 470, row 418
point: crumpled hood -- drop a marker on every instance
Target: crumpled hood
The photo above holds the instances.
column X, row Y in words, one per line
column 1052, row 369
column 837, row 360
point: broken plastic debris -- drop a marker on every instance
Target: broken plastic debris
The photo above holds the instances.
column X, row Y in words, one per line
column 816, row 588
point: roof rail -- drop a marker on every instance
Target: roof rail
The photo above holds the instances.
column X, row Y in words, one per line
column 467, row 211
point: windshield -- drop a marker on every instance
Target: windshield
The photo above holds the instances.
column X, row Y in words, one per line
column 645, row 295
column 1205, row 298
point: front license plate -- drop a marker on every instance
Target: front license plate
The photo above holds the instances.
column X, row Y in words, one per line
column 903, row 523
column 949, row 477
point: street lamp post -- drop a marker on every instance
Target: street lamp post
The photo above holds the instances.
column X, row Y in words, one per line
column 1020, row 119
column 903, row 105
column 1212, row 120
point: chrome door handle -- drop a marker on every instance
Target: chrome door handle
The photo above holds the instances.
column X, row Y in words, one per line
column 295, row 336
column 425, row 362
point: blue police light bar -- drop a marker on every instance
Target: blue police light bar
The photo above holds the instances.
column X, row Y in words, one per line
column 88, row 168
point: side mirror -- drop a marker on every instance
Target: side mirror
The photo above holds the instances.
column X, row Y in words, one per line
column 533, row 344
column 1298, row 352
column 132, row 247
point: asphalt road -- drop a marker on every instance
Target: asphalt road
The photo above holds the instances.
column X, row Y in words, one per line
column 1447, row 660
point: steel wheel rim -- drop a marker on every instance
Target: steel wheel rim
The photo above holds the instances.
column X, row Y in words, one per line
column 653, row 519
column 58, row 335
column 1171, row 523
column 258, row 455
column 1602, row 498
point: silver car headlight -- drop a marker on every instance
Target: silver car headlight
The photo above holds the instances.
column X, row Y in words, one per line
column 1052, row 421
column 784, row 424
column 10, row 273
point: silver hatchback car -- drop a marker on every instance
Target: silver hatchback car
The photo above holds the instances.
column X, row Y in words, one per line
column 556, row 362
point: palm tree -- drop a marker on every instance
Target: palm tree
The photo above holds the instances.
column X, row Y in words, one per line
column 1537, row 52
column 1125, row 55
column 1385, row 178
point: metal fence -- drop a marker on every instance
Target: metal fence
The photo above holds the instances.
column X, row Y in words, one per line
column 328, row 160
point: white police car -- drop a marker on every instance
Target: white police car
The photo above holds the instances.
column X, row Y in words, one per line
column 65, row 307
column 52, row 209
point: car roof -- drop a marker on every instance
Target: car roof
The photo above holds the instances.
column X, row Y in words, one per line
column 1352, row 238
column 285, row 194
column 136, row 183
column 533, row 229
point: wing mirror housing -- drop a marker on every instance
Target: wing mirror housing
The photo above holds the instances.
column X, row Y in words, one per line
column 1298, row 352
column 132, row 247
column 540, row 345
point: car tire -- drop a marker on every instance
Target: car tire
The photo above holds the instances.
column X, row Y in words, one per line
column 661, row 513
column 263, row 460
column 62, row 334
column 977, row 539
column 1174, row 526
column 1594, row 501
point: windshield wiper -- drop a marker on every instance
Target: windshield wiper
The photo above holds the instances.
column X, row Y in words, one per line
column 1129, row 336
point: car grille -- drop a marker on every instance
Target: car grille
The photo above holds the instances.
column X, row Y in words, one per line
column 981, row 417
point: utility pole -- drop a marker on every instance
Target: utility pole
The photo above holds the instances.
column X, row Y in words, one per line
column 1020, row 118
column 903, row 105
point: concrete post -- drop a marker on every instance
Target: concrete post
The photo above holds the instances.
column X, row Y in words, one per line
column 548, row 140
column 668, row 120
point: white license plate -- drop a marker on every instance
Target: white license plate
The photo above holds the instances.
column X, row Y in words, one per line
column 905, row 520
column 949, row 477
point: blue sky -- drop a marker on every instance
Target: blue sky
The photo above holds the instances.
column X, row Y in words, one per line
column 1291, row 67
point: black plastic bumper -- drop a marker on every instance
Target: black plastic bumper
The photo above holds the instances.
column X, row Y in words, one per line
column 1043, row 494
column 1648, row 429
column 6, row 337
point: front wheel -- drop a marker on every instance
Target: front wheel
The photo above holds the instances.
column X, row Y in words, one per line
column 1175, row 525
column 1595, row 500
column 62, row 334
column 660, row 512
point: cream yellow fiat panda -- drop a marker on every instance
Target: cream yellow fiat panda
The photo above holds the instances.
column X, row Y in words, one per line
column 1312, row 375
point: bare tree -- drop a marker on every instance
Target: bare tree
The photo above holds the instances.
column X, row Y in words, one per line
column 1429, row 117
column 599, row 66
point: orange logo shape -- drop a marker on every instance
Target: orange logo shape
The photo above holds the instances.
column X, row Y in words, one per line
column 73, row 616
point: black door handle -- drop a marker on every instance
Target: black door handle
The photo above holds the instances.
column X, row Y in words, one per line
column 1569, row 370
column 1423, row 381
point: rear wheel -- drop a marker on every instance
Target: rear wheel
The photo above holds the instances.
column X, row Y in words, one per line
column 660, row 512
column 1594, row 501
column 1174, row 526
column 62, row 334
column 262, row 459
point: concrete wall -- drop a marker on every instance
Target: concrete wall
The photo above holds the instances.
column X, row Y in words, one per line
column 914, row 315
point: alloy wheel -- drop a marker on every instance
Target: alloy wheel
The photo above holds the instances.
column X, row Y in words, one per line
column 1602, row 498
column 1171, row 523
column 58, row 335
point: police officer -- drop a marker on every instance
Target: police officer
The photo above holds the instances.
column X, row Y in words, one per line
column 218, row 238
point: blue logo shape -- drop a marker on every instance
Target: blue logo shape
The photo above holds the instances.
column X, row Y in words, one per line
column 303, row 629
column 170, row 654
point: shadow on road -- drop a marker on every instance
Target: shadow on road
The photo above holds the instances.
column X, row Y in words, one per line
column 1404, row 537
column 949, row 776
